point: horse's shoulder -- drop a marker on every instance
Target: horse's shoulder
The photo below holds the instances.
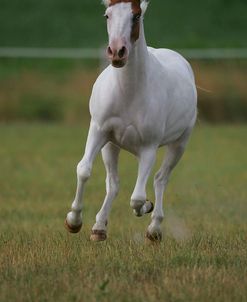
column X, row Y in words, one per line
column 172, row 61
column 104, row 93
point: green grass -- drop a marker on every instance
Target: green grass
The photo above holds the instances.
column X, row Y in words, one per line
column 79, row 23
column 204, row 253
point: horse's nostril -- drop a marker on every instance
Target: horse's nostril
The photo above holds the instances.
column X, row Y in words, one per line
column 109, row 51
column 122, row 52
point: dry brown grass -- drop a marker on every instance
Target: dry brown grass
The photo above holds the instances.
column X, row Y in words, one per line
column 226, row 98
column 32, row 93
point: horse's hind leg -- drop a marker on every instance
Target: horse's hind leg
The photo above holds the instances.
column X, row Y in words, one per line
column 110, row 155
column 174, row 154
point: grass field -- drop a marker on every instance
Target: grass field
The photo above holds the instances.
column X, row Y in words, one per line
column 204, row 253
column 79, row 23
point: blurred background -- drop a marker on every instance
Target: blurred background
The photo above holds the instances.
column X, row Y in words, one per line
column 52, row 51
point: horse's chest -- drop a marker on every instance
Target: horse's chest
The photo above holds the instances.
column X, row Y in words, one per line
column 129, row 137
column 125, row 133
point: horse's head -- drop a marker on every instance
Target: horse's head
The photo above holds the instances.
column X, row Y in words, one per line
column 124, row 18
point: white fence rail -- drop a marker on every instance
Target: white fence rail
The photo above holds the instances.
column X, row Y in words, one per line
column 93, row 53
column 53, row 53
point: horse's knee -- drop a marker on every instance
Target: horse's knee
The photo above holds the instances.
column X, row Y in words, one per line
column 158, row 181
column 115, row 189
column 161, row 177
column 112, row 185
column 83, row 170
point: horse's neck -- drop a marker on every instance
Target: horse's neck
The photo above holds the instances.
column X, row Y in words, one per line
column 135, row 74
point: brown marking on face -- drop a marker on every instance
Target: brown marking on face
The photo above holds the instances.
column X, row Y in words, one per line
column 136, row 10
column 135, row 30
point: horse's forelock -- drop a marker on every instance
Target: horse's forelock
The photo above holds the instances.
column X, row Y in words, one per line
column 135, row 3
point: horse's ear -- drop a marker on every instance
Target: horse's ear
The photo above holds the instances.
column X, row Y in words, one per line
column 144, row 6
column 106, row 2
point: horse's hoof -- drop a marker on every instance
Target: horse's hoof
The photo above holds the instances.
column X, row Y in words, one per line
column 154, row 238
column 98, row 235
column 152, row 207
column 137, row 213
column 72, row 228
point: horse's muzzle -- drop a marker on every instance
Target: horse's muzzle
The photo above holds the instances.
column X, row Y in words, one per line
column 118, row 63
column 117, row 56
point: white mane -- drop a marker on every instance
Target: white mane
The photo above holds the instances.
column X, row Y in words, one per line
column 106, row 2
column 144, row 6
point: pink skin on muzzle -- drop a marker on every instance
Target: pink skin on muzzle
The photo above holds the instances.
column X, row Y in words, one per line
column 117, row 53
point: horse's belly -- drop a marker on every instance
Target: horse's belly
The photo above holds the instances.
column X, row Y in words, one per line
column 175, row 130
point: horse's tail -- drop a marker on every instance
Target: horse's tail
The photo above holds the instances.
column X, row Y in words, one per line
column 203, row 89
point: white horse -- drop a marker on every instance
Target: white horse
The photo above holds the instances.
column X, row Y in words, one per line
column 145, row 99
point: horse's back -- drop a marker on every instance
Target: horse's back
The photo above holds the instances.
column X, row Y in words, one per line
column 172, row 59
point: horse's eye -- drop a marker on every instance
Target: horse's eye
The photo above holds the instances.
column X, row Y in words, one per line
column 106, row 16
column 136, row 18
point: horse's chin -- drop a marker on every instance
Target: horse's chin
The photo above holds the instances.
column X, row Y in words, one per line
column 118, row 63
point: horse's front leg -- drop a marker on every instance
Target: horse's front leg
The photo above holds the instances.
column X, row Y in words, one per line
column 110, row 154
column 95, row 141
column 139, row 202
